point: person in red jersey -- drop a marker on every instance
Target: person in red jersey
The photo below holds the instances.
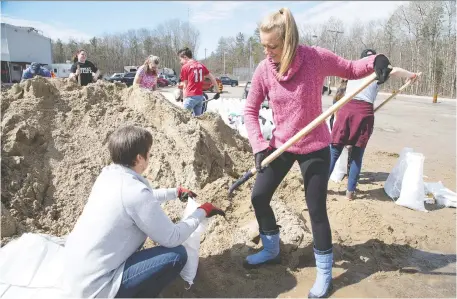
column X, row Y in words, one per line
column 193, row 73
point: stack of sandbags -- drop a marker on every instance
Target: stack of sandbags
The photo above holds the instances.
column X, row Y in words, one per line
column 232, row 112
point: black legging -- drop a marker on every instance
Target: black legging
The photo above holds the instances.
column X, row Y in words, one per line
column 314, row 168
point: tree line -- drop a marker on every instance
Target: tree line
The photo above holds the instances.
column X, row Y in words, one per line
column 418, row 36
column 111, row 52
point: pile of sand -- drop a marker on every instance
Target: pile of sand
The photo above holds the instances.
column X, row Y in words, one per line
column 54, row 146
column 54, row 136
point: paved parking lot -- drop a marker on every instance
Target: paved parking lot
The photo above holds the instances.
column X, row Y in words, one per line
column 407, row 121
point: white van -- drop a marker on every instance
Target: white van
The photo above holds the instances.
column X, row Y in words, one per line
column 61, row 70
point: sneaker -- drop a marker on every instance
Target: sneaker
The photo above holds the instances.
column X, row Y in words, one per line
column 350, row 195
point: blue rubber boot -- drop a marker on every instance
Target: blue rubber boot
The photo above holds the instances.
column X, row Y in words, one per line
column 323, row 284
column 268, row 255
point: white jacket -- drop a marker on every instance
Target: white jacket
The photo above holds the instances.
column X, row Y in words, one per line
column 122, row 210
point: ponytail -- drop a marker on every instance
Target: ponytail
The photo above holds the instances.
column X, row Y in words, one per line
column 284, row 24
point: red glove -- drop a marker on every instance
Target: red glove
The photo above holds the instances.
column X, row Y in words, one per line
column 211, row 210
column 184, row 194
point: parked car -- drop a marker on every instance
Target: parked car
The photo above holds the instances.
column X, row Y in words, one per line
column 208, row 85
column 265, row 103
column 172, row 79
column 162, row 82
column 126, row 78
column 115, row 77
column 227, row 81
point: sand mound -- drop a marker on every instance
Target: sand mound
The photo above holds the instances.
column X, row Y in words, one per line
column 54, row 146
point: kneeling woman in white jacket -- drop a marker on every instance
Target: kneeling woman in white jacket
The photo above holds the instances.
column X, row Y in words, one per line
column 101, row 257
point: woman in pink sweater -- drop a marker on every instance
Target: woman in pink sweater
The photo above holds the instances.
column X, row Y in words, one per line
column 291, row 77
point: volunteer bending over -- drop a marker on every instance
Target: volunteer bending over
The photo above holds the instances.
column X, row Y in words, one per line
column 101, row 253
column 146, row 76
column 35, row 69
column 292, row 77
column 354, row 125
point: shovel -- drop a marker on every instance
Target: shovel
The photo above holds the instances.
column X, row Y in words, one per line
column 408, row 83
column 206, row 101
column 303, row 132
column 79, row 76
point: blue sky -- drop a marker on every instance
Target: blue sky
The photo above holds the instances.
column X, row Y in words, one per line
column 83, row 20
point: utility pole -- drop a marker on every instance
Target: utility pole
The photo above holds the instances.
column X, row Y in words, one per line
column 205, row 53
column 315, row 37
column 224, row 63
column 334, row 49
column 250, row 60
column 188, row 25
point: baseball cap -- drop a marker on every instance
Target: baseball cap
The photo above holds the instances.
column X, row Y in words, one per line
column 367, row 52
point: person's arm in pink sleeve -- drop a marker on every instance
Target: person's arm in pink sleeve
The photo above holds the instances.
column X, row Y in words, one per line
column 334, row 65
column 138, row 76
column 256, row 95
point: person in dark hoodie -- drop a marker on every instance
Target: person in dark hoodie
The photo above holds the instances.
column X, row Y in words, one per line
column 35, row 69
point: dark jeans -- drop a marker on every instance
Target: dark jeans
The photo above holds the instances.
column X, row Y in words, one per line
column 355, row 161
column 314, row 168
column 148, row 271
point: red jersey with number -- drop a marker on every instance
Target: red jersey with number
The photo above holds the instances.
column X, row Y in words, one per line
column 194, row 72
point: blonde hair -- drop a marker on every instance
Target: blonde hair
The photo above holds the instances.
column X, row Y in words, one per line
column 284, row 24
column 151, row 59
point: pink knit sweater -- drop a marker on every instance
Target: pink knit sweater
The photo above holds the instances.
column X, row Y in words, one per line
column 296, row 98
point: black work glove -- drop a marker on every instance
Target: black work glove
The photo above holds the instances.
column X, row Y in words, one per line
column 216, row 96
column 260, row 156
column 382, row 68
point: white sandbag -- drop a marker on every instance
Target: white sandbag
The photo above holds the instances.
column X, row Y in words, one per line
column 192, row 245
column 412, row 194
column 393, row 184
column 442, row 195
column 267, row 130
column 341, row 166
column 177, row 93
column 242, row 130
column 267, row 114
column 32, row 267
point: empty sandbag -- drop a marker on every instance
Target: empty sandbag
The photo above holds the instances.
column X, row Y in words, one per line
column 341, row 167
column 412, row 194
column 192, row 245
column 392, row 186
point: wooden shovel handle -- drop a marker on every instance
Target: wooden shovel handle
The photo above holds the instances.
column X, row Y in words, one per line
column 408, row 83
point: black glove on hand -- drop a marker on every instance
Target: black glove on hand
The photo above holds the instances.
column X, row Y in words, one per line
column 216, row 96
column 260, row 156
column 382, row 68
